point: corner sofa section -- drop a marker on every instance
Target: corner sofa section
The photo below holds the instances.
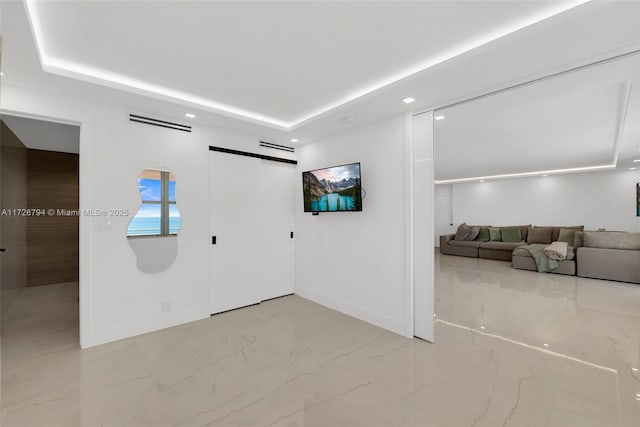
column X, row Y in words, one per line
column 610, row 255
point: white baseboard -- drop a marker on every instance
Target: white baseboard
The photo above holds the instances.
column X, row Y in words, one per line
column 385, row 322
column 104, row 336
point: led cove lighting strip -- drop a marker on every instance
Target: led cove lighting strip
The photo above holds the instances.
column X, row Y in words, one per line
column 117, row 81
column 524, row 174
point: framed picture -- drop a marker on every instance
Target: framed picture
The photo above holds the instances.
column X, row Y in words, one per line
column 638, row 199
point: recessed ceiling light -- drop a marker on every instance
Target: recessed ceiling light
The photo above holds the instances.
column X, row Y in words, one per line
column 523, row 174
column 636, row 161
column 482, row 327
column 482, row 180
column 632, row 169
column 408, row 100
column 1, row 73
column 439, row 117
column 634, row 369
column 546, row 345
column 545, row 175
column 190, row 115
column 294, row 140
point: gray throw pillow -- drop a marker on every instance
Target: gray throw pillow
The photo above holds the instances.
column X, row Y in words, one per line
column 475, row 230
column 463, row 231
column 539, row 235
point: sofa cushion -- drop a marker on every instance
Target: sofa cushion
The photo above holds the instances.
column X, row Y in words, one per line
column 483, row 235
column 555, row 231
column 506, row 246
column 539, row 235
column 524, row 230
column 463, row 231
column 475, row 230
column 494, row 234
column 611, row 240
column 511, row 234
column 471, row 244
column 520, row 251
column 567, row 235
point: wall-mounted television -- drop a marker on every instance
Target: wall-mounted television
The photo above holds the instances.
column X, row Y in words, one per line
column 333, row 189
column 638, row 199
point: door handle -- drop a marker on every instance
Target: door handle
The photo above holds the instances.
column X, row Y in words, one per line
column 3, row 250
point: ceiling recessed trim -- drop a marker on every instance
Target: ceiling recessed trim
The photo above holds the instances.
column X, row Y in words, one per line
column 106, row 78
column 525, row 174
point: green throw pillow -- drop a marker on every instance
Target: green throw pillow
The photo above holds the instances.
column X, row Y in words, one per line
column 483, row 235
column 494, row 234
column 511, row 234
column 567, row 235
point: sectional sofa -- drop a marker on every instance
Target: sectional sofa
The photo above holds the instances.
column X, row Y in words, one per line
column 608, row 255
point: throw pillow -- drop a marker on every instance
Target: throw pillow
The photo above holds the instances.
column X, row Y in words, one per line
column 567, row 235
column 511, row 234
column 555, row 234
column 539, row 235
column 475, row 230
column 483, row 235
column 463, row 231
column 494, row 234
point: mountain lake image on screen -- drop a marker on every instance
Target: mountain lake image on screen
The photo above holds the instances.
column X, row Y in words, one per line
column 333, row 189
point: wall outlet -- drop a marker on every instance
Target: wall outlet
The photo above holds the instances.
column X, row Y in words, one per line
column 105, row 224
column 166, row 307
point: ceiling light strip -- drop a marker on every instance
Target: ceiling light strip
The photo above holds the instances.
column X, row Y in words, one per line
column 34, row 24
column 440, row 108
column 431, row 62
column 105, row 78
column 118, row 81
column 622, row 118
column 525, row 174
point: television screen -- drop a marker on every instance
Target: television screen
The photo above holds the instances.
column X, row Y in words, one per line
column 638, row 199
column 333, row 189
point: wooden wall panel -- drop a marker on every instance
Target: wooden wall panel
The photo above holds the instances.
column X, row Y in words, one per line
column 52, row 240
column 13, row 195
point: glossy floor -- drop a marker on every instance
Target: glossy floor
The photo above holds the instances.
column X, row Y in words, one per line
column 290, row 362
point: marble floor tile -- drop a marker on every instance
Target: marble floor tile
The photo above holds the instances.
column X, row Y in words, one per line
column 291, row 362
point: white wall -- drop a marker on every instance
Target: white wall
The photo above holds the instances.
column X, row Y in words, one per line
column 595, row 200
column 354, row 262
column 117, row 299
column 443, row 212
